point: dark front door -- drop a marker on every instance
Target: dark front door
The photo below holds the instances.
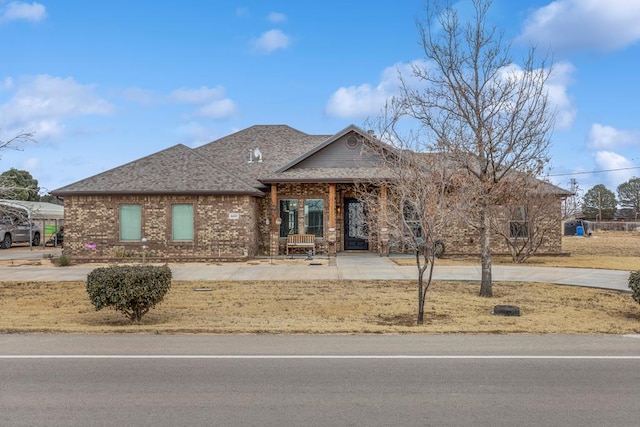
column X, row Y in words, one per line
column 355, row 227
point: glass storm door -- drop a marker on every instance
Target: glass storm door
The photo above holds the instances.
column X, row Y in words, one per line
column 355, row 228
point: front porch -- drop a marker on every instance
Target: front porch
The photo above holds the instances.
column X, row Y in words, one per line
column 329, row 211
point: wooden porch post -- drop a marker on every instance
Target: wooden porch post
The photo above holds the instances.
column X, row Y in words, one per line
column 331, row 236
column 274, row 229
column 384, row 226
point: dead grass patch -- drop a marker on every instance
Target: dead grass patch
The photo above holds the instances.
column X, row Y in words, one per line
column 613, row 250
column 324, row 307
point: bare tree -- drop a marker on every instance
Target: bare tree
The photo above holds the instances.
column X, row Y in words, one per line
column 19, row 138
column 474, row 103
column 408, row 204
column 9, row 188
column 524, row 223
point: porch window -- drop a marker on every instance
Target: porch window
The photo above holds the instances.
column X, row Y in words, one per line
column 289, row 217
column 130, row 222
column 314, row 217
column 518, row 224
column 182, row 222
column 412, row 222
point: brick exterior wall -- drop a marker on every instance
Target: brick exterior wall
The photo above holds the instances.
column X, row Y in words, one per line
column 299, row 192
column 461, row 239
column 92, row 228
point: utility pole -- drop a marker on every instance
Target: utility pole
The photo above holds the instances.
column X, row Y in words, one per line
column 570, row 204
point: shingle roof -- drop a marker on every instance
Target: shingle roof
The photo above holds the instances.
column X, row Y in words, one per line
column 336, row 175
column 219, row 167
column 279, row 144
column 178, row 169
column 223, row 167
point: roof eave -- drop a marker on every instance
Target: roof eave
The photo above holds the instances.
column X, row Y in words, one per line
column 158, row 193
column 348, row 180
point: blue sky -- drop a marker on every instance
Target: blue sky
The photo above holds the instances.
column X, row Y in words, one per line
column 104, row 83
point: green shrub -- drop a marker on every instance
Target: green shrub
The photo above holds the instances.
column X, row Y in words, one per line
column 132, row 290
column 634, row 284
column 63, row 261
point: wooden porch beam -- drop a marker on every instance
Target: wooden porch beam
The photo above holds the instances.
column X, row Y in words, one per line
column 274, row 207
column 332, row 205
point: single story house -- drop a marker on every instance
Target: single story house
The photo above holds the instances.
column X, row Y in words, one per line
column 237, row 197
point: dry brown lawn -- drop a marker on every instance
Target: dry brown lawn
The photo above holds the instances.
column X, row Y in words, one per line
column 609, row 250
column 348, row 307
column 324, row 307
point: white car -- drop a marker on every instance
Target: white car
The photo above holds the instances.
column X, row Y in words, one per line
column 14, row 230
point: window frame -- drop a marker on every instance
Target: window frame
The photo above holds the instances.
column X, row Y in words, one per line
column 319, row 232
column 518, row 222
column 124, row 228
column 289, row 217
column 190, row 236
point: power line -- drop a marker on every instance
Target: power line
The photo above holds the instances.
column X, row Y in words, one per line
column 600, row 171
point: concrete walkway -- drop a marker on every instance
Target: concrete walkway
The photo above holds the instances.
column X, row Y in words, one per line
column 345, row 267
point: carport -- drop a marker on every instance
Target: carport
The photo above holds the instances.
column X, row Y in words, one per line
column 39, row 213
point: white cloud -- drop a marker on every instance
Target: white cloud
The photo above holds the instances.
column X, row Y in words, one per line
column 195, row 134
column 212, row 101
column 366, row 100
column 6, row 84
column 197, row 96
column 17, row 10
column 31, row 164
column 218, row 110
column 276, row 17
column 140, row 96
column 567, row 25
column 43, row 102
column 271, row 40
column 356, row 101
column 607, row 137
column 610, row 161
column 557, row 91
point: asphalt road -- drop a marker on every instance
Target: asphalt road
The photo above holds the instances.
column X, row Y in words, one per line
column 146, row 380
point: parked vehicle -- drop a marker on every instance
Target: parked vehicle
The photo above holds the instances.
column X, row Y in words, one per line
column 14, row 230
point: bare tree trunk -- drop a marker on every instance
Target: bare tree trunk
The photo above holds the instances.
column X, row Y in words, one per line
column 421, row 294
column 486, row 289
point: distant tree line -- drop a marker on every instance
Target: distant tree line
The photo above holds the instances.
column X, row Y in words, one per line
column 600, row 203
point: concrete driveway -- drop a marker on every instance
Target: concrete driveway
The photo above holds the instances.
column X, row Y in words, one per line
column 346, row 266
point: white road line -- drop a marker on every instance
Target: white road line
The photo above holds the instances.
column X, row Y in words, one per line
column 312, row 357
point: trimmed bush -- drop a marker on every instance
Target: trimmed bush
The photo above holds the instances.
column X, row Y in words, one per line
column 634, row 284
column 132, row 290
column 63, row 261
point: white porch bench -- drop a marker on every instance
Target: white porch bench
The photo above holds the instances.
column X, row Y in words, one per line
column 304, row 241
